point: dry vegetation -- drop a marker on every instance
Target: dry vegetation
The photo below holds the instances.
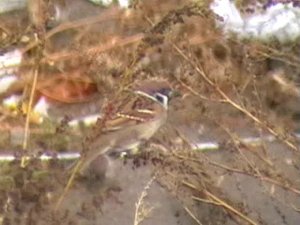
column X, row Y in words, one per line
column 228, row 86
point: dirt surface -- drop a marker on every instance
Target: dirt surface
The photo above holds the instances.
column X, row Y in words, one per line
column 230, row 90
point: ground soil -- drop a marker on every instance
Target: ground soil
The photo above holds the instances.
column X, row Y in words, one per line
column 229, row 90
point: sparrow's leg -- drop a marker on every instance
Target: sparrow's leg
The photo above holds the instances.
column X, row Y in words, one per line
column 143, row 144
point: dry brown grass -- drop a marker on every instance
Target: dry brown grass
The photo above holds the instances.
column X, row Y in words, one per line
column 224, row 83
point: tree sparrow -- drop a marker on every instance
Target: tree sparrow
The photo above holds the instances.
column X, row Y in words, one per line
column 136, row 119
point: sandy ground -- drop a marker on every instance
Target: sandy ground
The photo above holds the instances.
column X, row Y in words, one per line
column 264, row 202
column 235, row 184
column 263, row 190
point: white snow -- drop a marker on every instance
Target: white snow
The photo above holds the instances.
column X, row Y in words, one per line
column 280, row 21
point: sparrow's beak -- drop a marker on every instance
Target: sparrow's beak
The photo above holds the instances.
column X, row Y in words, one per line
column 174, row 94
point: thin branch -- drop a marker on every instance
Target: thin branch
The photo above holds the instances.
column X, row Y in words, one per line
column 222, row 203
column 192, row 215
column 205, row 201
column 74, row 24
column 230, row 208
column 26, row 132
column 95, row 49
column 140, row 211
column 69, row 184
column 235, row 170
column 233, row 103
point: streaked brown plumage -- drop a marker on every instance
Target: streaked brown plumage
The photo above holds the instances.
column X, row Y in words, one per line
column 135, row 119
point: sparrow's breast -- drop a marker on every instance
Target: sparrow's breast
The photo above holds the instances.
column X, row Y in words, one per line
column 134, row 135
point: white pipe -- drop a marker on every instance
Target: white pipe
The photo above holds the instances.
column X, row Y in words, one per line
column 201, row 146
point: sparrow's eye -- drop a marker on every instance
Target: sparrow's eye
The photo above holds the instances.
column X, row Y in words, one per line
column 163, row 99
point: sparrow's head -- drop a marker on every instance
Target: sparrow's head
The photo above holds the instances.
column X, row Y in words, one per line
column 159, row 91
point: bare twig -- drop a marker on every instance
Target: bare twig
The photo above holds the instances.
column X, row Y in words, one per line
column 227, row 99
column 198, row 94
column 69, row 184
column 95, row 49
column 26, row 132
column 142, row 212
column 222, row 203
column 74, row 24
column 297, row 209
column 205, row 201
column 236, row 170
column 192, row 215
column 261, row 177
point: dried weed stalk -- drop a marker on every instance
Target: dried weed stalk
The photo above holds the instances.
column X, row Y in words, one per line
column 26, row 130
column 142, row 210
column 285, row 138
column 183, row 174
column 198, row 185
column 218, row 201
column 192, row 215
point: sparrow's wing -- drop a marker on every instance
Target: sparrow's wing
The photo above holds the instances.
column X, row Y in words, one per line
column 138, row 109
column 136, row 118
